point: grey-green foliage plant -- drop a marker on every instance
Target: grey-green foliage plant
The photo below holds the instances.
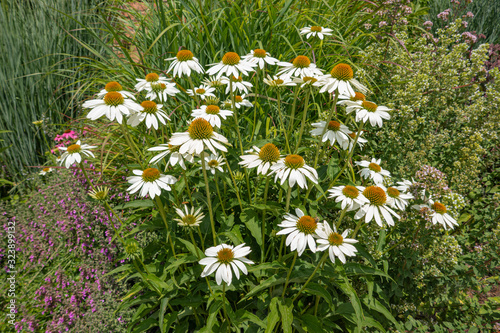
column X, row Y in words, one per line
column 39, row 75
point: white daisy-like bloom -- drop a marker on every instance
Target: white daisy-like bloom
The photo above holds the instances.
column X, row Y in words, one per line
column 260, row 57
column 149, row 181
column 293, row 168
column 397, row 199
column 199, row 136
column 351, row 101
column 377, row 207
column 300, row 66
column 237, row 84
column 342, row 78
column 99, row 193
column 370, row 111
column 337, row 244
column 149, row 80
column 189, row 218
column 213, row 82
column 151, row 113
column 405, row 185
column 202, row 91
column 279, row 81
column 439, row 215
column 73, row 154
column 113, row 105
column 336, row 132
column 231, row 64
column 300, row 229
column 262, row 158
column 212, row 163
column 372, row 170
column 161, row 91
column 306, row 81
column 239, row 101
column 183, row 63
column 175, row 156
column 316, row 31
column 212, row 113
column 45, row 171
column 225, row 259
column 352, row 138
column 114, row 86
column 349, row 196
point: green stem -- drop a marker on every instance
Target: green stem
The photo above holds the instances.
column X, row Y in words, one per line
column 358, row 226
column 187, row 186
column 224, row 305
column 209, row 201
column 341, row 217
column 302, row 125
column 164, row 217
column 263, row 226
column 294, row 107
column 234, row 182
column 201, row 238
column 282, row 124
column 194, row 243
column 311, row 276
column 194, row 92
column 130, row 143
column 320, row 142
column 145, row 279
column 288, row 195
column 220, row 197
column 289, row 273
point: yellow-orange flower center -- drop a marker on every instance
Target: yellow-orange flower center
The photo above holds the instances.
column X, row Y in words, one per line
column 184, row 55
column 189, row 219
column 238, row 99
column 158, row 87
column 393, row 192
column 369, row 106
column 259, row 53
column 67, row 131
column 307, row 225
column 73, row 149
column 315, row 28
column 301, row 61
column 342, row 72
column 358, row 97
column 352, row 135
column 225, row 255
column 231, row 58
column 294, row 161
column 150, row 174
column 335, row 239
column 439, row 207
column 200, row 91
column 350, row 191
column 269, row 153
column 149, row 107
column 374, row 167
column 213, row 163
column 212, row 109
column 46, row 169
column 113, row 86
column 236, row 79
column 308, row 79
column 113, row 98
column 334, row 125
column 376, row 195
column 152, row 77
column 200, row 129
column 279, row 82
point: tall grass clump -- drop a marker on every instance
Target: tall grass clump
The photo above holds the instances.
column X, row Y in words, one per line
column 38, row 79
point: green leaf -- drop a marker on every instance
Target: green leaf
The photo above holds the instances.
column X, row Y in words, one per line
column 273, row 280
column 286, row 310
column 251, row 220
column 377, row 306
column 212, row 317
column 273, row 317
column 136, row 204
column 311, row 323
column 358, row 269
column 163, row 307
column 346, row 287
column 191, row 247
column 169, row 320
column 318, row 290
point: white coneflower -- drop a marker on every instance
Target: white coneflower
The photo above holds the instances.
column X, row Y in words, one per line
column 189, row 218
column 439, row 215
column 162, row 91
column 405, row 185
column 279, row 81
column 231, row 64
column 361, row 141
column 351, row 197
column 212, row 163
column 72, row 154
column 113, row 105
column 300, row 229
column 150, row 80
column 224, row 259
column 45, row 171
column 316, row 31
column 293, row 168
column 202, row 91
column 149, row 181
column 239, row 101
column 306, row 81
column 183, row 63
column 370, row 111
column 199, row 136
column 372, row 170
column 114, row 86
column 175, row 156
column 237, row 83
column 260, row 57
column 151, row 113
column 99, row 193
column 262, row 158
column 213, row 82
column 337, row 245
column 341, row 77
column 300, row 66
column 377, row 207
column 351, row 101
column 212, row 113
column 336, row 132
column 396, row 198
